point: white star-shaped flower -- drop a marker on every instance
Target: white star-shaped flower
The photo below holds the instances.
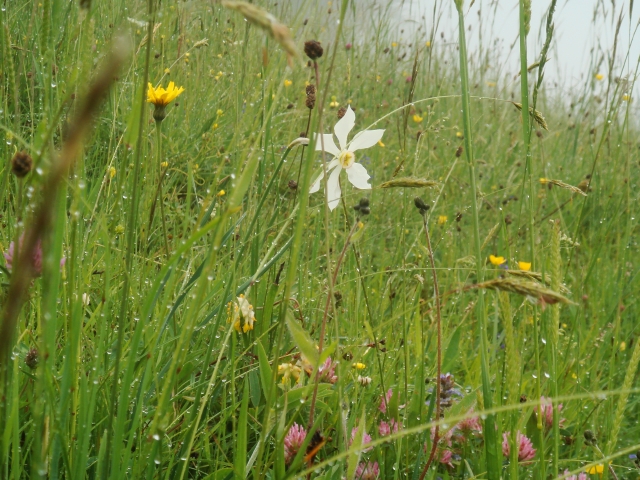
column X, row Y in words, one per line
column 344, row 158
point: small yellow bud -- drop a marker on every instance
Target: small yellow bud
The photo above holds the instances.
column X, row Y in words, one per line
column 112, row 172
column 119, row 229
column 221, row 193
column 288, row 83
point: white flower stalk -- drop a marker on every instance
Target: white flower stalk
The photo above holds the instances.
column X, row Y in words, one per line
column 344, row 157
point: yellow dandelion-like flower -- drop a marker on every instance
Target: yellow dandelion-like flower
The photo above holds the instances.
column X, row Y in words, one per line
column 359, row 366
column 417, row 118
column 459, row 135
column 599, row 76
column 288, row 83
column 428, row 44
column 496, row 260
column 167, row 71
column 442, row 219
column 161, row 97
column 626, row 98
column 219, row 112
column 164, row 164
column 112, row 172
column 394, row 44
column 526, row 266
column 543, row 181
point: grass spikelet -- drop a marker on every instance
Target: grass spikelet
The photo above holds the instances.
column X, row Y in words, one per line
column 535, row 114
column 491, row 235
column 408, row 182
column 266, row 21
column 526, row 288
column 561, row 184
column 537, row 276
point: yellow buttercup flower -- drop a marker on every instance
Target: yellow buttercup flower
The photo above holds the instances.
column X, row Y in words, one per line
column 526, row 266
column 599, row 469
column 417, row 118
column 161, row 97
column 288, row 83
column 543, row 181
column 221, row 193
column 428, row 44
column 359, row 366
column 599, row 76
column 394, row 44
column 459, row 135
column 442, row 219
column 496, row 260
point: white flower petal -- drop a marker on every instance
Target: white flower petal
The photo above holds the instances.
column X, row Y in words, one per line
column 329, row 144
column 365, row 139
column 315, row 186
column 333, row 188
column 358, row 176
column 344, row 126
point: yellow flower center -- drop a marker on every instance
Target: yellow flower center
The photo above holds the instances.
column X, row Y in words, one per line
column 346, row 158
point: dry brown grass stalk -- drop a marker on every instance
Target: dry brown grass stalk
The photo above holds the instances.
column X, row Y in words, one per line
column 561, row 184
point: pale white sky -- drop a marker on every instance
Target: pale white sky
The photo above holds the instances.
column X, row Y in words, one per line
column 580, row 27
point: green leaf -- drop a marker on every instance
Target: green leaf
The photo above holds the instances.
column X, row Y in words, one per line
column 254, row 388
column 302, row 340
column 265, row 368
column 355, row 449
column 240, row 458
column 452, row 351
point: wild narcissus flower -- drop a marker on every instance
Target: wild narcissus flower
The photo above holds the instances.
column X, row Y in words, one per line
column 161, row 98
column 241, row 314
column 497, row 261
column 344, row 157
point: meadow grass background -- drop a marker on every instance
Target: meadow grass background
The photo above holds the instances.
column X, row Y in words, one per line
column 139, row 373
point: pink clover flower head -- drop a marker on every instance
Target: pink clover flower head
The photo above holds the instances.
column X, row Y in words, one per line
column 327, row 372
column 384, row 401
column 443, row 439
column 385, row 428
column 36, row 257
column 408, row 79
column 348, row 46
column 367, row 471
column 445, row 457
column 546, row 407
column 580, row 476
column 470, row 425
column 366, row 439
column 293, row 441
column 526, row 451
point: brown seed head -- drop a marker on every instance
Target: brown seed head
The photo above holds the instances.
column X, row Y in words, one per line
column 313, row 49
column 31, row 358
column 21, row 164
column 341, row 112
column 459, row 151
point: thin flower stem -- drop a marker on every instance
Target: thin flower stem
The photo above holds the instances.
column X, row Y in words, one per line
column 159, row 193
column 436, row 291
column 324, row 320
column 491, row 436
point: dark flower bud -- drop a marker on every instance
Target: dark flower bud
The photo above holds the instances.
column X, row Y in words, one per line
column 589, row 438
column 21, row 164
column 341, row 112
column 293, row 185
column 364, row 202
column 420, row 205
column 303, row 135
column 313, row 49
column 365, row 210
column 31, row 358
column 459, row 151
column 290, row 106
